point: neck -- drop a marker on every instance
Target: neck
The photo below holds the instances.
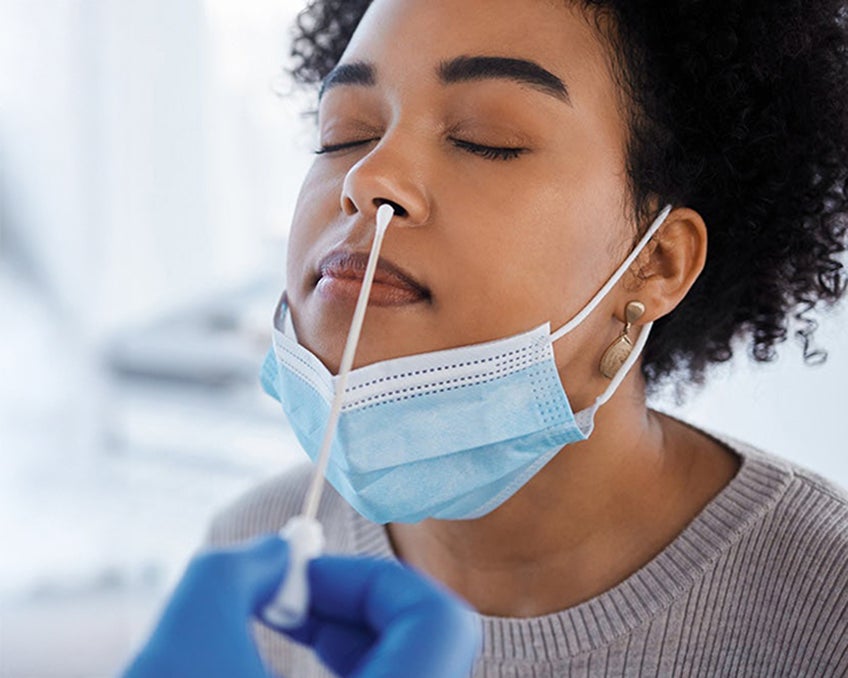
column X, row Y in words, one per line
column 597, row 511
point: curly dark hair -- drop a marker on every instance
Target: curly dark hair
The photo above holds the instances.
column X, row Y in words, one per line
column 738, row 110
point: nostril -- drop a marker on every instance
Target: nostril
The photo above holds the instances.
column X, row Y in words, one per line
column 399, row 211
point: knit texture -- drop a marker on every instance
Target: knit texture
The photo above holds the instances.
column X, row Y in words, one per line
column 756, row 585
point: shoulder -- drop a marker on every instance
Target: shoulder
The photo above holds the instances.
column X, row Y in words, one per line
column 267, row 508
column 812, row 517
column 818, row 485
column 798, row 546
column 806, row 496
column 804, row 506
column 779, row 579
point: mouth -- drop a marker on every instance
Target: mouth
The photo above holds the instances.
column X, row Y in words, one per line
column 340, row 276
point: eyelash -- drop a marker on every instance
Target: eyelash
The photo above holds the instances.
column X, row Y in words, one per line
column 334, row 148
column 487, row 152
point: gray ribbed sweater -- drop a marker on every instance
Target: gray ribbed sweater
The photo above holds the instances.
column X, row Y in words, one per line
column 756, row 585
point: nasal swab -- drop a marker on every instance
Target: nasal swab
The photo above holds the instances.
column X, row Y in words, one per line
column 310, row 506
column 304, row 533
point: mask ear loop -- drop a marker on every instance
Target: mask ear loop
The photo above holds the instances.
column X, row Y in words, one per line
column 614, row 278
column 304, row 533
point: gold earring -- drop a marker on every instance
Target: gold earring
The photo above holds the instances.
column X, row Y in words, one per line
column 618, row 350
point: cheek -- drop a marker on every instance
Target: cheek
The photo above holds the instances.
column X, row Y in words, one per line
column 542, row 245
column 320, row 192
column 317, row 205
column 574, row 225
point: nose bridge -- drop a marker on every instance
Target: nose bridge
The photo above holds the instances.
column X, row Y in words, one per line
column 390, row 174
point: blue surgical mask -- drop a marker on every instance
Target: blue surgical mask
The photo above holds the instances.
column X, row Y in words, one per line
column 449, row 434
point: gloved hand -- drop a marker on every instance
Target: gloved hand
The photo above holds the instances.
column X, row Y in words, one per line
column 371, row 618
column 367, row 618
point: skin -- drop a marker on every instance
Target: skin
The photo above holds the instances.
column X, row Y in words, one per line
column 504, row 246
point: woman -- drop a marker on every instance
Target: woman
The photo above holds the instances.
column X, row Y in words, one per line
column 526, row 148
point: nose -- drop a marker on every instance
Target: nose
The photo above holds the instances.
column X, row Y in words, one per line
column 386, row 177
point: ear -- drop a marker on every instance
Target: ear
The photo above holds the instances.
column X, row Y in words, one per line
column 670, row 264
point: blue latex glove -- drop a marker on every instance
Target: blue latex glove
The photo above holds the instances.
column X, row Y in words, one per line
column 367, row 618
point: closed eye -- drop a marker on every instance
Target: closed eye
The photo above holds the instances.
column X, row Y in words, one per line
column 334, row 148
column 488, row 152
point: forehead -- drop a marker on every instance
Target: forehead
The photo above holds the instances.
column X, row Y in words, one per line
column 408, row 39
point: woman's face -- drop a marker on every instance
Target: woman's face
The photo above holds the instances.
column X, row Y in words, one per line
column 491, row 242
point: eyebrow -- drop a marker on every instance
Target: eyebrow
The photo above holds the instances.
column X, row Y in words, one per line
column 522, row 71
column 458, row 70
column 356, row 73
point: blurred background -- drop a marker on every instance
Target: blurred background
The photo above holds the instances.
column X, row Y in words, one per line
column 150, row 157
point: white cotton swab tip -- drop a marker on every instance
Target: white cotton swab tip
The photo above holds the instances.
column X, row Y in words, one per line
column 384, row 216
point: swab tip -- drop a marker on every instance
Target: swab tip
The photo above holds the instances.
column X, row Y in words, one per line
column 384, row 215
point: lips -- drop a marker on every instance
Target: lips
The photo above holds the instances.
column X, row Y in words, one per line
column 340, row 276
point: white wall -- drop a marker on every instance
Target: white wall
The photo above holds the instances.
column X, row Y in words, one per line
column 785, row 407
column 145, row 157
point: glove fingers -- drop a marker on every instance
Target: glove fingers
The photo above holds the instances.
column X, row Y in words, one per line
column 426, row 643
column 251, row 573
column 417, row 623
column 342, row 647
column 360, row 591
column 421, row 625
column 204, row 628
column 340, row 585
